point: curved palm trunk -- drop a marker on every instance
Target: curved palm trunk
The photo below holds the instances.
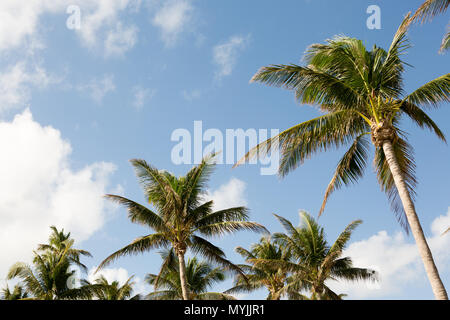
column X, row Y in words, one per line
column 183, row 281
column 414, row 223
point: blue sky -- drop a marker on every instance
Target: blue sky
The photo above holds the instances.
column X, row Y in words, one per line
column 77, row 104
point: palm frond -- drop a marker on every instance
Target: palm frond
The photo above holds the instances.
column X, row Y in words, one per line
column 350, row 168
column 139, row 245
column 432, row 93
column 418, row 116
column 429, row 9
column 138, row 213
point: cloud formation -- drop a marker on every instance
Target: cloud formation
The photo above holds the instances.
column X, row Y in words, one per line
column 397, row 260
column 228, row 195
column 16, row 83
column 172, row 18
column 39, row 189
column 225, row 54
column 20, row 22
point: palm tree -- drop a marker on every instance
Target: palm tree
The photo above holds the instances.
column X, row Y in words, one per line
column 57, row 244
column 427, row 11
column 114, row 291
column 262, row 276
column 181, row 216
column 200, row 276
column 314, row 261
column 361, row 93
column 49, row 277
column 18, row 293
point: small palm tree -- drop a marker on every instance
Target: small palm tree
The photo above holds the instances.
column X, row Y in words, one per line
column 18, row 293
column 314, row 261
column 262, row 276
column 103, row 290
column 200, row 277
column 49, row 277
column 181, row 216
column 427, row 11
column 361, row 93
column 57, row 244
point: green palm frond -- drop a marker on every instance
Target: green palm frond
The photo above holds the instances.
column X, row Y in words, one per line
column 225, row 227
column 429, row 9
column 419, row 117
column 445, row 42
column 350, row 168
column 432, row 93
column 138, row 213
column 139, row 245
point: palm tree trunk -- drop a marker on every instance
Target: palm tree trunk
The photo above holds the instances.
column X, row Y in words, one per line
column 414, row 223
column 183, row 281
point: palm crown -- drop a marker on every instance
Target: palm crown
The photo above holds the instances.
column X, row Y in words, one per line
column 182, row 218
column 104, row 290
column 361, row 93
column 49, row 277
column 200, row 277
column 262, row 276
column 314, row 261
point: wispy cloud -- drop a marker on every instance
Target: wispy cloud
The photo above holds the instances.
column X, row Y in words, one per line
column 120, row 40
column 172, row 18
column 141, row 95
column 16, row 83
column 97, row 88
column 190, row 95
column 100, row 24
column 225, row 54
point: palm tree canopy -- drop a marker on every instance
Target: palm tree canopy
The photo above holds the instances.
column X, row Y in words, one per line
column 182, row 218
column 315, row 261
column 104, row 290
column 18, row 293
column 48, row 277
column 361, row 94
column 259, row 276
column 201, row 276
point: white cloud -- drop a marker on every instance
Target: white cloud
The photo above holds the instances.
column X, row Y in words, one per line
column 190, row 95
column 20, row 20
column 102, row 18
column 229, row 195
column 120, row 40
column 98, row 88
column 397, row 260
column 16, row 81
column 225, row 54
column 39, row 188
column 120, row 275
column 173, row 18
column 140, row 95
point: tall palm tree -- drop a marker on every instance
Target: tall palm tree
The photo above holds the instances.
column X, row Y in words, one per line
column 200, row 277
column 49, row 277
column 262, row 276
column 181, row 216
column 18, row 293
column 427, row 11
column 114, row 291
column 314, row 261
column 57, row 244
column 361, row 93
